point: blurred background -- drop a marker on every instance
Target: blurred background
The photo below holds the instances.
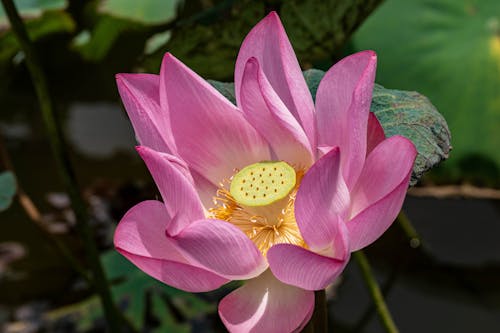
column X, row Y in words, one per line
column 446, row 278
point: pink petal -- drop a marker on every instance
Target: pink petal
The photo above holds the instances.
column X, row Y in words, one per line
column 177, row 190
column 375, row 133
column 322, row 202
column 140, row 96
column 206, row 189
column 140, row 238
column 343, row 105
column 267, row 113
column 142, row 232
column 213, row 136
column 302, row 268
column 264, row 304
column 381, row 189
column 222, row 248
column 385, row 168
column 269, row 44
column 176, row 274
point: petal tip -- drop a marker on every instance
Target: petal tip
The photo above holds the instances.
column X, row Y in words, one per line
column 168, row 59
column 122, row 80
column 367, row 53
column 252, row 65
column 273, row 15
column 142, row 150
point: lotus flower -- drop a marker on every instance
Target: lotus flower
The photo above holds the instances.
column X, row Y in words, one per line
column 276, row 190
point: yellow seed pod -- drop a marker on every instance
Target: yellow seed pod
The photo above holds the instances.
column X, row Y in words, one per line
column 263, row 183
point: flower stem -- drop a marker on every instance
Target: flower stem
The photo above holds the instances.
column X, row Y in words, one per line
column 65, row 168
column 376, row 294
column 320, row 315
column 319, row 319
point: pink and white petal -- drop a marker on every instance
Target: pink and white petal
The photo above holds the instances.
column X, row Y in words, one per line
column 265, row 304
column 322, row 202
column 267, row 113
column 269, row 44
column 342, row 109
column 212, row 135
column 385, row 168
column 221, row 248
column 140, row 237
column 177, row 190
column 322, row 151
column 306, row 320
column 140, row 94
column 302, row 268
column 375, row 133
column 206, row 189
column 142, row 232
column 366, row 227
column 381, row 190
column 177, row 274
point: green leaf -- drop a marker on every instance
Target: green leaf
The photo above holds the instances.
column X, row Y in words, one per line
column 95, row 46
column 412, row 115
column 131, row 286
column 450, row 51
column 405, row 113
column 317, row 29
column 143, row 11
column 313, row 78
column 7, row 189
column 141, row 298
column 225, row 88
column 31, row 9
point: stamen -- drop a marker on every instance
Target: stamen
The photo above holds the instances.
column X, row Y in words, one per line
column 265, row 224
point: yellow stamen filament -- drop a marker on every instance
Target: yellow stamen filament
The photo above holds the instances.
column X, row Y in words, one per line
column 266, row 224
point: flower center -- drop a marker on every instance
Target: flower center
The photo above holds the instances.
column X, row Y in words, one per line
column 260, row 201
column 261, row 184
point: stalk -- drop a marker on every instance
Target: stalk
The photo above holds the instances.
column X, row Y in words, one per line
column 63, row 163
column 319, row 319
column 375, row 293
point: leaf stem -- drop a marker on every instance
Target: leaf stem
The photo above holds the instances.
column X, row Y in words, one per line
column 409, row 230
column 65, row 168
column 376, row 294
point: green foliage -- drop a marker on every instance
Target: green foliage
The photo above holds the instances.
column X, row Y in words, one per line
column 143, row 299
column 50, row 22
column 7, row 189
column 96, row 44
column 225, row 88
column 450, row 51
column 313, row 78
column 29, row 9
column 410, row 114
column 318, row 29
column 144, row 11
column 405, row 113
column 117, row 17
column 210, row 47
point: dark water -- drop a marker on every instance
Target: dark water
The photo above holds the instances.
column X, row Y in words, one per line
column 449, row 285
